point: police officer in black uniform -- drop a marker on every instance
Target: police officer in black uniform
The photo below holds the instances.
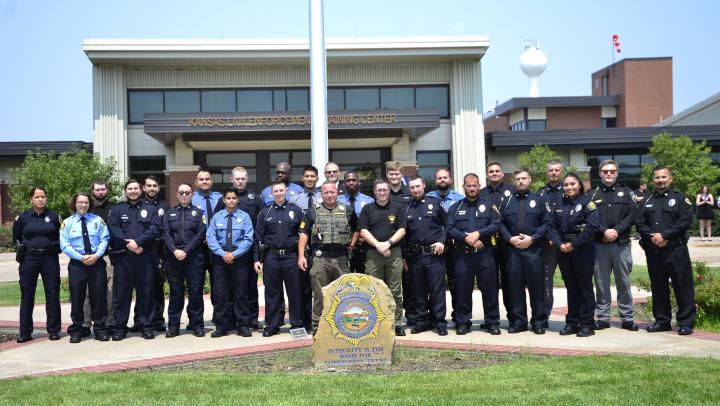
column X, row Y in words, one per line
column 425, row 244
column 184, row 229
column 36, row 233
column 524, row 224
column 552, row 192
column 134, row 225
column 573, row 226
column 471, row 223
column 277, row 231
column 662, row 220
column 496, row 191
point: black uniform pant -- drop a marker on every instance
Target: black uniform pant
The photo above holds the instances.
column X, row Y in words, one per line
column 673, row 263
column 549, row 254
column 158, row 294
column 279, row 269
column 429, row 272
column 90, row 279
column 525, row 269
column 137, row 272
column 47, row 266
column 499, row 253
column 357, row 262
column 408, row 302
column 577, row 269
column 469, row 268
column 229, row 284
column 189, row 271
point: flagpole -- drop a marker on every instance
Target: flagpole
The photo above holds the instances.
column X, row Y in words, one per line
column 318, row 88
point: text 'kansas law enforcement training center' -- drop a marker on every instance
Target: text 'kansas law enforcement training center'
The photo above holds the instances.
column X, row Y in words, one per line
column 173, row 106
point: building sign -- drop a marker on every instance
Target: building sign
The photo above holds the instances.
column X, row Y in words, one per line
column 158, row 123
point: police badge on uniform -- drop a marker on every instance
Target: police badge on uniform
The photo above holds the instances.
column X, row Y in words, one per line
column 341, row 207
column 621, row 194
column 578, row 207
column 291, row 214
column 193, row 213
column 532, row 203
column 143, row 213
column 47, row 219
column 251, row 196
column 507, row 193
column 671, row 202
column 482, row 208
column 391, row 219
column 430, row 206
column 161, row 211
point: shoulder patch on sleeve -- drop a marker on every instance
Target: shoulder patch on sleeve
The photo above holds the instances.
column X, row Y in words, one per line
column 591, row 205
column 302, row 224
column 547, row 207
column 62, row 225
column 17, row 217
column 496, row 209
column 687, row 201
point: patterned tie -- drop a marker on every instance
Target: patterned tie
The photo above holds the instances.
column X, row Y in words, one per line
column 86, row 237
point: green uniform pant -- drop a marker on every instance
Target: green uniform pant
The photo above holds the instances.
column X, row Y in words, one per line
column 389, row 270
column 324, row 270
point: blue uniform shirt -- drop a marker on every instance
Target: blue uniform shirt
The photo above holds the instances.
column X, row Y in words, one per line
column 468, row 216
column 537, row 218
column 575, row 221
column 199, row 200
column 450, row 198
column 71, row 236
column 278, row 227
column 426, row 221
column 137, row 221
column 301, row 199
column 242, row 232
column 292, row 190
column 360, row 201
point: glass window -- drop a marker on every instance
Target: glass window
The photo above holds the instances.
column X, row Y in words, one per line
column 297, row 100
column 362, row 99
column 218, row 101
column 610, row 122
column 254, row 100
column 433, row 97
column 140, row 103
column 336, row 99
column 431, row 161
column 397, row 98
column 142, row 166
column 279, row 100
column 536, row 125
column 604, row 85
column 182, row 101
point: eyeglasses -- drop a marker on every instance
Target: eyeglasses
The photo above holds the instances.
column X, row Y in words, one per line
column 184, row 193
column 331, row 171
column 609, row 171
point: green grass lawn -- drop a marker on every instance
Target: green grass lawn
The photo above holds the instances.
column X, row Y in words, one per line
column 10, row 293
column 526, row 379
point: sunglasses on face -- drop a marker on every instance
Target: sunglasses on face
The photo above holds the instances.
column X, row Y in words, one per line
column 609, row 171
column 184, row 193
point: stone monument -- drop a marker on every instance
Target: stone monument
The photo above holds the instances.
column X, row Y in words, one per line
column 357, row 325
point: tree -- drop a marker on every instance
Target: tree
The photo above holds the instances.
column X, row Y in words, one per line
column 689, row 162
column 536, row 162
column 62, row 176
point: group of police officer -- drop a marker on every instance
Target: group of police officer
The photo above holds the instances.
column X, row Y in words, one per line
column 301, row 238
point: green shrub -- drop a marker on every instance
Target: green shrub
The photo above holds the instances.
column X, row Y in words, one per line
column 6, row 237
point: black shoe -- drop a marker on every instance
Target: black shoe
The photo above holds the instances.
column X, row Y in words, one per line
column 23, row 338
column 419, row 329
column 75, row 339
column 568, row 330
column 493, row 329
column 462, row 330
column 629, row 325
column 585, row 332
column 441, row 330
column 119, row 335
column 399, row 331
column 601, row 325
column 685, row 331
column 189, row 328
column 484, row 326
column 517, row 329
column 244, row 331
column 219, row 332
column 135, row 328
column 85, row 333
column 538, row 330
column 54, row 336
column 199, row 333
column 102, row 337
column 255, row 326
column 160, row 327
column 173, row 332
column 657, row 327
column 269, row 332
column 148, row 335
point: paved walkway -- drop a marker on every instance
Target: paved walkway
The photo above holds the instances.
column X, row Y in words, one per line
column 42, row 356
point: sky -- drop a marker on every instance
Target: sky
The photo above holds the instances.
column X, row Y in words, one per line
column 46, row 79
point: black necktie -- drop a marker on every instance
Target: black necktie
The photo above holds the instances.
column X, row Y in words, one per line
column 352, row 203
column 86, row 237
column 228, row 236
column 183, row 210
column 208, row 208
column 658, row 213
column 310, row 200
column 521, row 214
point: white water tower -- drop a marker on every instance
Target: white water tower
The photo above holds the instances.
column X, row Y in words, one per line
column 533, row 63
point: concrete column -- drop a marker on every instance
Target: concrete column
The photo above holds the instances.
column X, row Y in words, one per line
column 468, row 136
column 109, row 114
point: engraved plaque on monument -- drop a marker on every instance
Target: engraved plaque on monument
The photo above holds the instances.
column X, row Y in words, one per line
column 357, row 326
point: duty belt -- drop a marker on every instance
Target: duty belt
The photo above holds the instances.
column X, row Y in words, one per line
column 37, row 251
column 469, row 249
column 330, row 253
column 282, row 251
column 418, row 249
column 569, row 237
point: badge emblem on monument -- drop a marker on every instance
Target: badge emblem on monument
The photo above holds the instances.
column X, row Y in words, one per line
column 355, row 313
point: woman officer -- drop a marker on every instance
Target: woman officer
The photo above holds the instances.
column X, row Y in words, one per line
column 573, row 226
column 36, row 233
column 84, row 237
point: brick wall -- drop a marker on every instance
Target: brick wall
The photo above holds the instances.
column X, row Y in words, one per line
column 573, row 117
column 173, row 180
column 6, row 215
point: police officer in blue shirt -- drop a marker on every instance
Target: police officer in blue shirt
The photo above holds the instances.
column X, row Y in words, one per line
column 84, row 237
column 425, row 244
column 524, row 223
column 472, row 222
column 183, row 234
column 36, row 233
column 283, row 172
column 573, row 226
column 552, row 192
column 230, row 238
column 447, row 197
column 277, row 231
column 355, row 200
column 133, row 225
